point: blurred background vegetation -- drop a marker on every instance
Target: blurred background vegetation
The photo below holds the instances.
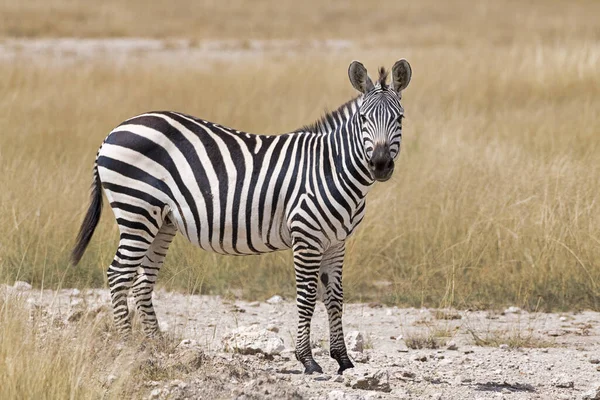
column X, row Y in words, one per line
column 495, row 199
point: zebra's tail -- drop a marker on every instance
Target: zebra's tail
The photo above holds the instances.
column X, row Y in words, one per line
column 90, row 221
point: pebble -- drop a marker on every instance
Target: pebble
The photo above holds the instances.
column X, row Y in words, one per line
column 451, row 345
column 22, row 286
column 592, row 394
column 512, row 310
column 595, row 360
column 563, row 382
column 355, row 341
column 275, row 300
column 504, row 346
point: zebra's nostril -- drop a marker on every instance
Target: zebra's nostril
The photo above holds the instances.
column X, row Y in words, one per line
column 371, row 165
column 390, row 164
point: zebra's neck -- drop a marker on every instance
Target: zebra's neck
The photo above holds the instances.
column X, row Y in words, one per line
column 342, row 134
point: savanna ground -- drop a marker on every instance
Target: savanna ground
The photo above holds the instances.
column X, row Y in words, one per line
column 494, row 202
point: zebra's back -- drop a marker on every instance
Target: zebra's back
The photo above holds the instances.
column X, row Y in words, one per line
column 226, row 191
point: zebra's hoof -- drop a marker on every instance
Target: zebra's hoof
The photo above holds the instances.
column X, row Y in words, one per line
column 344, row 365
column 312, row 366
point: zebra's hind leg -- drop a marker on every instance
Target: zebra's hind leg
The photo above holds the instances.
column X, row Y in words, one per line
column 121, row 273
column 143, row 285
column 331, row 278
column 307, row 260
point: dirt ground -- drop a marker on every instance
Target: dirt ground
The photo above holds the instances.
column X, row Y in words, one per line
column 508, row 354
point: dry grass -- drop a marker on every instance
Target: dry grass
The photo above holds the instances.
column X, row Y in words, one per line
column 514, row 338
column 39, row 361
column 424, row 23
column 495, row 199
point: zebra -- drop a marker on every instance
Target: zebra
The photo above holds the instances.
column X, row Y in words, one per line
column 237, row 193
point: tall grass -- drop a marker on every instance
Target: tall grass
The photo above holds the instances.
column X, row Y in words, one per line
column 494, row 200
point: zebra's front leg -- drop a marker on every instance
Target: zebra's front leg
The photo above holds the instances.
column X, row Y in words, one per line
column 306, row 265
column 331, row 278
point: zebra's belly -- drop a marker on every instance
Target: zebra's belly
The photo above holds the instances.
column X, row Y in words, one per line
column 244, row 235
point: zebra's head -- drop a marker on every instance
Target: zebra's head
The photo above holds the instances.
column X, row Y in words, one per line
column 380, row 115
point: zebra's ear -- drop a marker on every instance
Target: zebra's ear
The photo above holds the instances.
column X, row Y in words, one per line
column 359, row 77
column 401, row 73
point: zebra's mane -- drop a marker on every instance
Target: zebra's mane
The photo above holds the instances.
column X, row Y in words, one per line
column 319, row 126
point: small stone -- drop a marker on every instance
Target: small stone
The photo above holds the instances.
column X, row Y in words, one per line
column 451, row 345
column 563, row 382
column 22, row 286
column 504, row 346
column 252, row 340
column 595, row 360
column 155, row 393
column 322, row 377
column 273, row 328
column 254, row 304
column 563, row 319
column 337, row 379
column 355, row 341
column 556, row 333
column 275, row 300
column 366, row 379
column 402, row 347
column 420, row 357
column 75, row 292
column 408, row 374
column 389, row 312
column 466, row 380
column 592, row 394
column 512, row 310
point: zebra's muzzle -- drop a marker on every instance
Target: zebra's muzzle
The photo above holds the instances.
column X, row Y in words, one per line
column 381, row 164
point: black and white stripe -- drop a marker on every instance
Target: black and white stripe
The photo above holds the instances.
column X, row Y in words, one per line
column 236, row 193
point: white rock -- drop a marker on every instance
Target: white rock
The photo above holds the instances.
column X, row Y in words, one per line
column 451, row 345
column 355, row 341
column 155, row 393
column 389, row 312
column 275, row 300
column 253, row 339
column 592, row 394
column 402, row 347
column 75, row 292
column 21, row 286
column 512, row 310
column 503, row 346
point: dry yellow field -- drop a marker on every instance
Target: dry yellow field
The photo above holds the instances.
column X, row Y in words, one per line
column 495, row 199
